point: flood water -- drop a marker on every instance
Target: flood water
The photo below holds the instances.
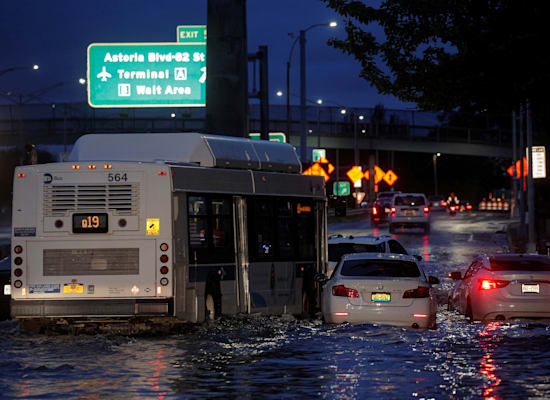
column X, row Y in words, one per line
column 281, row 357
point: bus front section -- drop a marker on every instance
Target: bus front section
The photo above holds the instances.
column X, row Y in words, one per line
column 91, row 240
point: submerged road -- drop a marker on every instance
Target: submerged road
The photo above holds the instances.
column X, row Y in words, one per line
column 275, row 357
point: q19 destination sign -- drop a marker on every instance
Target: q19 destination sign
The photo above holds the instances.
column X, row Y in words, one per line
column 147, row 74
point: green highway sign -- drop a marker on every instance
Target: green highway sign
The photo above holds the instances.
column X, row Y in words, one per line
column 191, row 34
column 147, row 74
column 341, row 188
column 317, row 154
column 273, row 136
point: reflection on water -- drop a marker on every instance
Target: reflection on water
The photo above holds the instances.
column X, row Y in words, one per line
column 283, row 357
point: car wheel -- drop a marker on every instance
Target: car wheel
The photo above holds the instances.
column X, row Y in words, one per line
column 469, row 313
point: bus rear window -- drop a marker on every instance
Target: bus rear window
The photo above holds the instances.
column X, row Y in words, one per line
column 381, row 268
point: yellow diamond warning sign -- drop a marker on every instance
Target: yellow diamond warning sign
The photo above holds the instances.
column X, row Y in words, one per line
column 390, row 177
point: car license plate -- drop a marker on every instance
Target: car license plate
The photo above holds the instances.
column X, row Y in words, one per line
column 7, row 290
column 73, row 288
column 409, row 212
column 530, row 288
column 380, row 297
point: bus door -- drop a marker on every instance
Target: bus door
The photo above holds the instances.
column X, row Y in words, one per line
column 241, row 255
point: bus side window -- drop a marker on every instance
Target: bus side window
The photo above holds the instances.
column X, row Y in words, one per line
column 222, row 230
column 198, row 221
column 261, row 231
column 285, row 230
column 305, row 229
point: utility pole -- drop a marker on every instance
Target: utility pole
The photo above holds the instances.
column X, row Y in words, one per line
column 531, row 245
column 522, row 179
column 514, row 158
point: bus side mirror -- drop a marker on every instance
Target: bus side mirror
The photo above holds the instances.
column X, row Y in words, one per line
column 455, row 275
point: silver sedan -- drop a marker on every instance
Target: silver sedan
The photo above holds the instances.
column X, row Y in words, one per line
column 379, row 288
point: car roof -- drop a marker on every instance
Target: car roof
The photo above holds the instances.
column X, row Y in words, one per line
column 514, row 257
column 410, row 194
column 334, row 239
column 379, row 256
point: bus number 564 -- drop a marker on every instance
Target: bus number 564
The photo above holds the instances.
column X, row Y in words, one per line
column 117, row 177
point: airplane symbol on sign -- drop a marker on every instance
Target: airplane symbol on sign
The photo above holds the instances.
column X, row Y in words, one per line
column 104, row 74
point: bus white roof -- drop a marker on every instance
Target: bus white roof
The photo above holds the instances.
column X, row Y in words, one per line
column 188, row 147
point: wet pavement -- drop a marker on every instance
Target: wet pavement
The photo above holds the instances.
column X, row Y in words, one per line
column 281, row 357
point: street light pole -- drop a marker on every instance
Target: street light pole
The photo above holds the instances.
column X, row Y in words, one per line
column 303, row 122
column 435, row 171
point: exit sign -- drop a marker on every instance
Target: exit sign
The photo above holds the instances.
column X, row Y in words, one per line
column 147, row 74
column 191, row 34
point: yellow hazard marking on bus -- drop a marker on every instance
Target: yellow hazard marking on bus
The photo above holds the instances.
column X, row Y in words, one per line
column 152, row 226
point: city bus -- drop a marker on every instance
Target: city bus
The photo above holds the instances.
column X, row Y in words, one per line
column 182, row 225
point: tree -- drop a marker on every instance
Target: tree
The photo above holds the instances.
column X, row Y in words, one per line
column 471, row 55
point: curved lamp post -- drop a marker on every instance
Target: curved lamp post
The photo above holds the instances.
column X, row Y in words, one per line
column 303, row 124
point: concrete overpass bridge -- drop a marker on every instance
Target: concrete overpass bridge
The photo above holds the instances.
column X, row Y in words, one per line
column 63, row 124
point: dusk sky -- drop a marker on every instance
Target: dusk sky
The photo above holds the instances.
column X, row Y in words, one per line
column 55, row 35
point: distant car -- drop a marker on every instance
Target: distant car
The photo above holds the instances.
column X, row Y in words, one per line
column 409, row 210
column 437, row 203
column 379, row 288
column 5, row 284
column 339, row 245
column 381, row 207
column 503, row 287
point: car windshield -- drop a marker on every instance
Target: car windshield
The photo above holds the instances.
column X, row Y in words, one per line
column 519, row 264
column 409, row 201
column 385, row 268
column 337, row 250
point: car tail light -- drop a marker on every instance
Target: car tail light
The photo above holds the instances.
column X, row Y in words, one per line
column 374, row 211
column 468, row 207
column 488, row 284
column 343, row 291
column 426, row 209
column 444, row 204
column 393, row 211
column 419, row 292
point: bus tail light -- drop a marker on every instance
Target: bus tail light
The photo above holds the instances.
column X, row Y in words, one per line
column 17, row 284
column 164, row 270
column 343, row 291
column 164, row 281
column 162, row 172
column 21, row 175
column 488, row 284
column 18, row 249
column 18, row 272
column 164, row 246
column 122, row 222
column 108, row 166
column 91, row 166
column 75, row 166
column 18, row 261
column 164, row 258
column 418, row 293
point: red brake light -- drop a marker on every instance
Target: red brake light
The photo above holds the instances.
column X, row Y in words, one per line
column 426, row 210
column 343, row 291
column 393, row 211
column 444, row 204
column 18, row 272
column 374, row 211
column 164, row 258
column 419, row 292
column 469, row 207
column 488, row 284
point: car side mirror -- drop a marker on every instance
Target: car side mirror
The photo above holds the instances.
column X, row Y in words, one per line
column 418, row 258
column 321, row 278
column 455, row 275
column 432, row 280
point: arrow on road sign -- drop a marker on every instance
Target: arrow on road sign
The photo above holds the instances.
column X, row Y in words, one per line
column 390, row 177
